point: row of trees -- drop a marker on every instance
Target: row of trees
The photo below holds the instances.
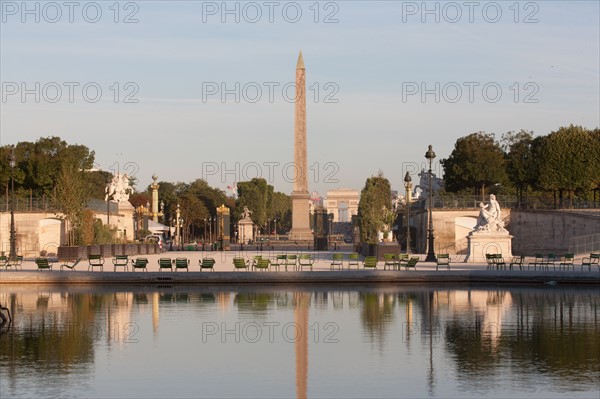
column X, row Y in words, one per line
column 565, row 163
column 198, row 202
column 63, row 173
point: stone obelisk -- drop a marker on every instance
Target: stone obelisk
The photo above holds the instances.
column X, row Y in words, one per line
column 300, row 196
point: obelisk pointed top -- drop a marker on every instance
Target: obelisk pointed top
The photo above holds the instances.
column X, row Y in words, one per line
column 300, row 64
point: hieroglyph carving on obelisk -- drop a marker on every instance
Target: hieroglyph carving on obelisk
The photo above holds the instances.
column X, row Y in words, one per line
column 300, row 196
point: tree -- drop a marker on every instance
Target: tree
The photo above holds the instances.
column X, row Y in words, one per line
column 568, row 161
column 374, row 207
column 520, row 163
column 72, row 199
column 255, row 195
column 476, row 162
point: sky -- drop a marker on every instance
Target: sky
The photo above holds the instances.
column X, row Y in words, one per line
column 193, row 89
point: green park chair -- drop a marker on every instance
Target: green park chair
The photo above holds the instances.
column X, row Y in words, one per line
column 337, row 260
column 370, row 262
column 70, row 266
column 16, row 262
column 43, row 264
column 240, row 263
column 538, row 260
column 139, row 263
column 165, row 263
column 391, row 261
column 95, row 261
column 567, row 261
column 353, row 259
column 517, row 261
column 120, row 261
column 207, row 263
column 182, row 263
column 279, row 261
column 593, row 259
column 305, row 260
column 550, row 261
column 3, row 261
column 443, row 260
column 262, row 264
column 291, row 260
column 412, row 263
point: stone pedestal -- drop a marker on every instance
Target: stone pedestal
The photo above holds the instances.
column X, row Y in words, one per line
column 481, row 244
column 300, row 217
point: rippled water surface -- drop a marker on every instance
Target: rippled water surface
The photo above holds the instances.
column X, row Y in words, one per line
column 247, row 341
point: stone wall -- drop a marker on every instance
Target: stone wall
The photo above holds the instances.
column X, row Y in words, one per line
column 533, row 230
column 549, row 231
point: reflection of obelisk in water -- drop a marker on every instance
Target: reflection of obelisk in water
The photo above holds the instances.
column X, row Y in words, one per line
column 301, row 319
column 300, row 197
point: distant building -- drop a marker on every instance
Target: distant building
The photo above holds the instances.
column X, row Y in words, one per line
column 342, row 203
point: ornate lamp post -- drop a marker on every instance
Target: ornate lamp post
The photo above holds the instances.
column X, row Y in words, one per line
column 171, row 233
column 408, row 187
column 275, row 223
column 430, row 155
column 12, row 255
column 177, row 214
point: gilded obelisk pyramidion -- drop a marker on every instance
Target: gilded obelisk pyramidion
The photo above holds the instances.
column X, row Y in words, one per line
column 300, row 197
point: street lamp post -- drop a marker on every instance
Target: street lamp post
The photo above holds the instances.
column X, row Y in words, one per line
column 430, row 155
column 275, row 223
column 177, row 214
column 171, row 233
column 12, row 255
column 408, row 187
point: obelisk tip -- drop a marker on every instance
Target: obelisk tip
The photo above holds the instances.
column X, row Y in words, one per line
column 300, row 64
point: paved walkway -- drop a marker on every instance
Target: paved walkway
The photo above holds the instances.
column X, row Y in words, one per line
column 224, row 273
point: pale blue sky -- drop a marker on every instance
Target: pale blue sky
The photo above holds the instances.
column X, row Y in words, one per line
column 370, row 58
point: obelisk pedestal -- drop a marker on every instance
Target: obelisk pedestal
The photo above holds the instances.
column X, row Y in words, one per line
column 300, row 196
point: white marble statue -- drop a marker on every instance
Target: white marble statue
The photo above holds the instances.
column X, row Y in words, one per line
column 490, row 218
column 118, row 189
column 246, row 213
column 422, row 189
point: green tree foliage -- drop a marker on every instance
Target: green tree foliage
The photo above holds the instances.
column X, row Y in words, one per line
column 568, row 161
column 255, row 195
column 265, row 204
column 374, row 207
column 520, row 162
column 72, row 198
column 476, row 162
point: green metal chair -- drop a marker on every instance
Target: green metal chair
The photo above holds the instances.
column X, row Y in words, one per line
column 16, row 262
column 68, row 266
column 165, row 263
column 305, row 260
column 207, row 263
column 337, row 260
column 279, row 261
column 517, row 261
column 391, row 261
column 262, row 264
column 550, row 261
column 95, row 261
column 593, row 259
column 412, row 263
column 43, row 264
column 182, row 263
column 120, row 261
column 139, row 263
column 370, row 262
column 240, row 263
column 443, row 260
column 538, row 261
column 353, row 260
column 4, row 261
column 567, row 261
column 291, row 260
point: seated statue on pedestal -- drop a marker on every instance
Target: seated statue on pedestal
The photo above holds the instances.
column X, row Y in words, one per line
column 489, row 220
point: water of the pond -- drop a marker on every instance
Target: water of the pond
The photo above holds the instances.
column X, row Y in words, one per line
column 364, row 341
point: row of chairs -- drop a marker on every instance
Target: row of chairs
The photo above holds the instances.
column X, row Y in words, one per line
column 541, row 261
column 7, row 263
